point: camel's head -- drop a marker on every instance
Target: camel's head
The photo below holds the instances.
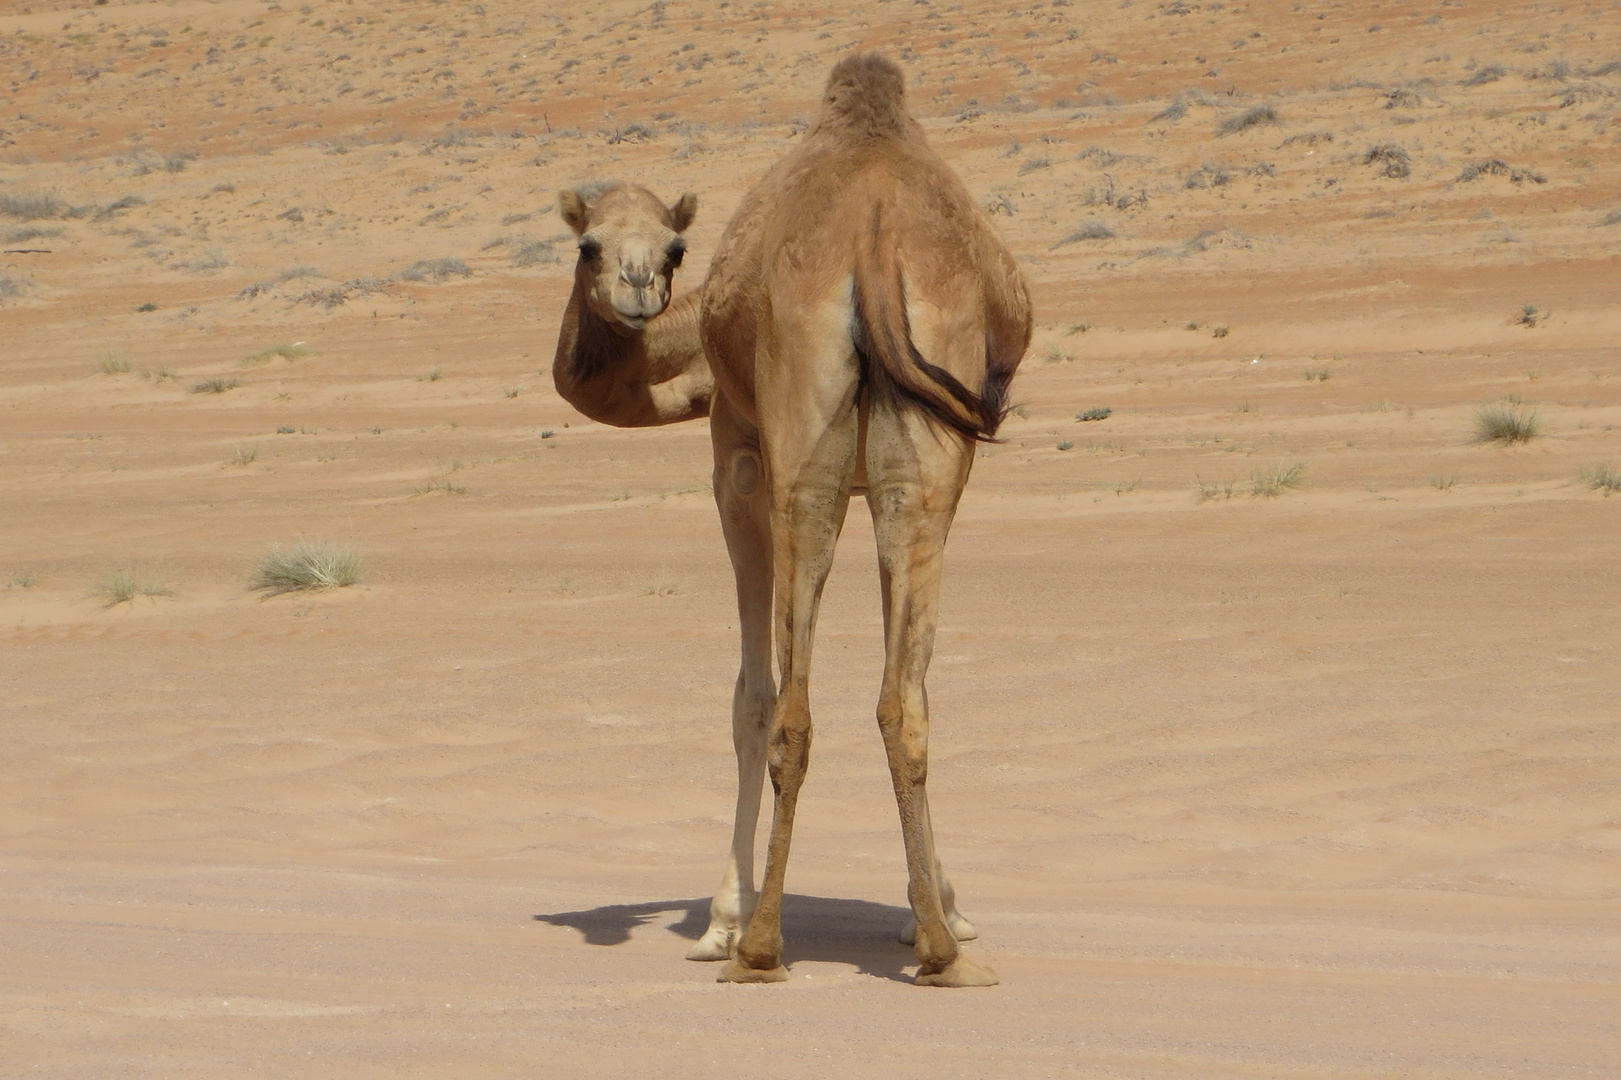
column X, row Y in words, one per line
column 630, row 245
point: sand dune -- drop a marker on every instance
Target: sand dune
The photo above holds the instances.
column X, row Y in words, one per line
column 1320, row 782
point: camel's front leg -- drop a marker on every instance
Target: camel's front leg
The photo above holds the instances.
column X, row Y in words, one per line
column 741, row 497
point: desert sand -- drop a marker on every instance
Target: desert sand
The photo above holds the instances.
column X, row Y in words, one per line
column 1242, row 769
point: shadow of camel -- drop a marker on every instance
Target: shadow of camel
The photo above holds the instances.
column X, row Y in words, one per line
column 821, row 928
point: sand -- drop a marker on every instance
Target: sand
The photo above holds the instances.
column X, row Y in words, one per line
column 1318, row 783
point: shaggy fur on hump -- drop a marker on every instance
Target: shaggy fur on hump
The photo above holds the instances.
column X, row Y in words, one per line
column 865, row 95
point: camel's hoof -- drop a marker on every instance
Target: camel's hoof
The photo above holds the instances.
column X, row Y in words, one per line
column 961, row 929
column 739, row 972
column 960, row 972
column 717, row 944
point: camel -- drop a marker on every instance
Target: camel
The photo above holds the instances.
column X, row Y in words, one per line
column 854, row 298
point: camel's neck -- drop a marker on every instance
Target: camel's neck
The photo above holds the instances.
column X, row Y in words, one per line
column 657, row 376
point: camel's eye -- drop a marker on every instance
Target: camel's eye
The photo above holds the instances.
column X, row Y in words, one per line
column 590, row 248
column 676, row 252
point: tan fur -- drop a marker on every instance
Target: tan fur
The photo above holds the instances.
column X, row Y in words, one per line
column 615, row 373
column 861, row 322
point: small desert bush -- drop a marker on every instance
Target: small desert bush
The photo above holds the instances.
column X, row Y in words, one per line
column 1259, row 116
column 435, row 270
column 293, row 274
column 1318, row 374
column 1612, row 218
column 1504, row 422
column 440, row 483
column 1443, row 483
column 1499, row 167
column 1393, row 160
column 113, row 363
column 1100, row 412
column 286, row 352
column 1214, row 490
column 212, row 257
column 1489, row 74
column 12, row 288
column 1600, row 478
column 1092, row 230
column 305, row 565
column 1271, row 482
column 33, row 205
column 125, row 583
column 244, row 455
column 33, row 232
column 1207, row 176
column 213, row 386
column 1309, row 138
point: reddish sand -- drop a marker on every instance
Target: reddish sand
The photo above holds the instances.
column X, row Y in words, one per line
column 1316, row 785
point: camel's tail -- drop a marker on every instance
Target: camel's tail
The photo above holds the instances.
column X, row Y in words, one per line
column 892, row 368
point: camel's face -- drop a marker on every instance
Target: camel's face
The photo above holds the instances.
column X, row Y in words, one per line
column 630, row 246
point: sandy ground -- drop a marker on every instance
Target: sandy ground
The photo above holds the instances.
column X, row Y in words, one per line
column 1316, row 785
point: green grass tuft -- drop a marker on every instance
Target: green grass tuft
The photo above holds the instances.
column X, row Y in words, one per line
column 244, row 455
column 1510, row 423
column 305, row 565
column 214, row 386
column 286, row 352
column 1600, row 478
column 440, row 483
column 113, row 363
column 1271, row 482
column 1101, row 412
column 125, row 584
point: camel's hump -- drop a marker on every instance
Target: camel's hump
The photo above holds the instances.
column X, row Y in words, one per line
column 865, row 91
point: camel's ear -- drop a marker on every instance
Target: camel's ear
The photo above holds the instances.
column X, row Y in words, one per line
column 573, row 208
column 684, row 210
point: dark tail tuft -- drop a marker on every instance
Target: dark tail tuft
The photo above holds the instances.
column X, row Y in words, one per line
column 893, row 370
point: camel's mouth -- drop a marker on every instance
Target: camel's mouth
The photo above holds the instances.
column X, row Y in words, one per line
column 633, row 307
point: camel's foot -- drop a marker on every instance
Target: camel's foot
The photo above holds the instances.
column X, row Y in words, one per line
column 718, row 943
column 738, row 972
column 960, row 972
column 961, row 929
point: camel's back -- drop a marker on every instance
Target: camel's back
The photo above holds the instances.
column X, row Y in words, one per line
column 863, row 180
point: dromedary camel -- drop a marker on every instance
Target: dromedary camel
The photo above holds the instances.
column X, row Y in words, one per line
column 854, row 299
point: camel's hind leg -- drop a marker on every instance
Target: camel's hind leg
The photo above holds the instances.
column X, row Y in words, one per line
column 915, row 475
column 740, row 495
column 810, row 447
